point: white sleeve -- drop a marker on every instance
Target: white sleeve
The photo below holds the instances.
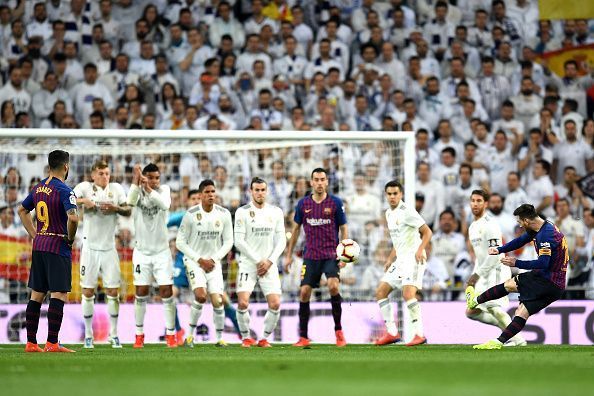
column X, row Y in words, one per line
column 79, row 190
column 227, row 238
column 414, row 219
column 183, row 236
column 490, row 262
column 240, row 235
column 121, row 194
column 162, row 199
column 280, row 240
column 133, row 195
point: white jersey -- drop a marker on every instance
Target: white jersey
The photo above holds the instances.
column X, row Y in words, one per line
column 404, row 223
column 483, row 234
column 151, row 213
column 205, row 234
column 260, row 233
column 99, row 228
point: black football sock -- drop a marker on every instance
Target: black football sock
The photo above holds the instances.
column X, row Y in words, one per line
column 516, row 325
column 54, row 319
column 336, row 302
column 32, row 320
column 303, row 318
column 492, row 294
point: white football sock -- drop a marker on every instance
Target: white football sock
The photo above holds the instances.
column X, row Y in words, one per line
column 88, row 307
column 414, row 314
column 485, row 317
column 219, row 322
column 502, row 318
column 139, row 312
column 113, row 309
column 388, row 315
column 195, row 312
column 270, row 321
column 169, row 309
column 243, row 320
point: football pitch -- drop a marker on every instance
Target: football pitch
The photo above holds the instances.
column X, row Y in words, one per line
column 284, row 370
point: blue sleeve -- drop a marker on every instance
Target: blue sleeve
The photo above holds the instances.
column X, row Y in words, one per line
column 28, row 202
column 175, row 219
column 340, row 216
column 545, row 244
column 299, row 212
column 68, row 198
column 542, row 262
column 515, row 244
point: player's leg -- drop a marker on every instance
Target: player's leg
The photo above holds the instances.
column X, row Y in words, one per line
column 38, row 282
column 163, row 274
column 493, row 293
column 311, row 273
column 110, row 272
column 246, row 281
column 332, row 272
column 142, row 280
column 215, row 287
column 230, row 312
column 197, row 279
column 409, row 294
column 89, row 272
column 503, row 320
column 60, row 280
column 271, row 287
column 382, row 294
column 516, row 325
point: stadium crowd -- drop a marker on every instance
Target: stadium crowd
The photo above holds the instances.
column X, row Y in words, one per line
column 461, row 75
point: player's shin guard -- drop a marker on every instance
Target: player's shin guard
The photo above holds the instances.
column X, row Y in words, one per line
column 388, row 315
column 32, row 320
column 336, row 302
column 270, row 321
column 415, row 317
column 219, row 322
column 88, row 307
column 243, row 320
column 195, row 312
column 303, row 318
column 492, row 294
column 169, row 308
column 485, row 317
column 55, row 312
column 139, row 312
column 113, row 309
column 516, row 325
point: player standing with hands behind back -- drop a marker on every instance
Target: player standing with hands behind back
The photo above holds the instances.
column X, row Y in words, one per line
column 51, row 267
column 538, row 288
column 322, row 216
column 151, row 257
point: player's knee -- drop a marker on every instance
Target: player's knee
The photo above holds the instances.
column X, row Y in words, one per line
column 471, row 313
column 200, row 299
column 333, row 290
column 89, row 293
column 111, row 292
column 274, row 304
column 304, row 295
column 165, row 292
column 242, row 305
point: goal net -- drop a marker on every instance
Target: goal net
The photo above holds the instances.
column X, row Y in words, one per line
column 358, row 165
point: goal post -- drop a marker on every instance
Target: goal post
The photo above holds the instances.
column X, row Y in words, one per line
column 187, row 156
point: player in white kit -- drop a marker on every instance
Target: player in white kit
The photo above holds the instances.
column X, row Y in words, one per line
column 102, row 202
column 205, row 237
column 410, row 236
column 483, row 233
column 260, row 239
column 151, row 257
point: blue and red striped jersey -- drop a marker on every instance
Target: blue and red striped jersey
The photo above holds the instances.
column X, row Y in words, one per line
column 320, row 223
column 51, row 199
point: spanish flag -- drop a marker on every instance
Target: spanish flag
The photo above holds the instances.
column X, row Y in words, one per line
column 555, row 60
column 15, row 258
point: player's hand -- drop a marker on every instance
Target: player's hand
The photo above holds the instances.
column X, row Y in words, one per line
column 493, row 251
column 68, row 241
column 136, row 174
column 288, row 262
column 206, row 264
column 88, row 204
column 263, row 267
column 387, row 265
column 420, row 255
column 108, row 208
column 341, row 264
column 509, row 261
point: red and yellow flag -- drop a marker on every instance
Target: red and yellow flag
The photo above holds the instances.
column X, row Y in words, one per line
column 583, row 55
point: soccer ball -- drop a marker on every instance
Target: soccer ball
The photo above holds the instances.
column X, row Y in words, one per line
column 348, row 251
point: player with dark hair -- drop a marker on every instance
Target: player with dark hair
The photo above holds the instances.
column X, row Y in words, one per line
column 51, row 266
column 322, row 216
column 151, row 257
column 540, row 287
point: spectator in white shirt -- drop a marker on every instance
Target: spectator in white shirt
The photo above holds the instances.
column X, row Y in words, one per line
column 516, row 195
column 507, row 222
column 144, row 65
column 225, row 23
column 447, row 173
column 362, row 206
column 40, row 25
column 572, row 152
column 527, row 103
column 513, row 128
column 535, row 151
column 44, row 100
column 434, row 106
column 15, row 92
column 446, row 138
column 83, row 94
column 541, row 192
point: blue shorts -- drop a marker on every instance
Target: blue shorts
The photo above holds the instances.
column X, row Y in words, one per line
column 180, row 278
column 312, row 270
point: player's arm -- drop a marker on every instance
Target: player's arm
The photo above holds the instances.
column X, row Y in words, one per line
column 161, row 199
column 86, row 202
column 291, row 245
column 175, row 219
column 183, row 236
column 488, row 264
column 27, row 221
column 426, row 235
column 280, row 239
column 390, row 259
column 545, row 203
column 240, row 235
column 227, row 238
column 72, row 224
column 341, row 220
column 512, row 245
column 134, row 193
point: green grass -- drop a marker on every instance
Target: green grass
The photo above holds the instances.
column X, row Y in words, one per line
column 283, row 370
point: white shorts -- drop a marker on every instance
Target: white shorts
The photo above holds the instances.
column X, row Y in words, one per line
column 247, row 277
column 485, row 283
column 93, row 261
column 212, row 281
column 405, row 272
column 158, row 266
